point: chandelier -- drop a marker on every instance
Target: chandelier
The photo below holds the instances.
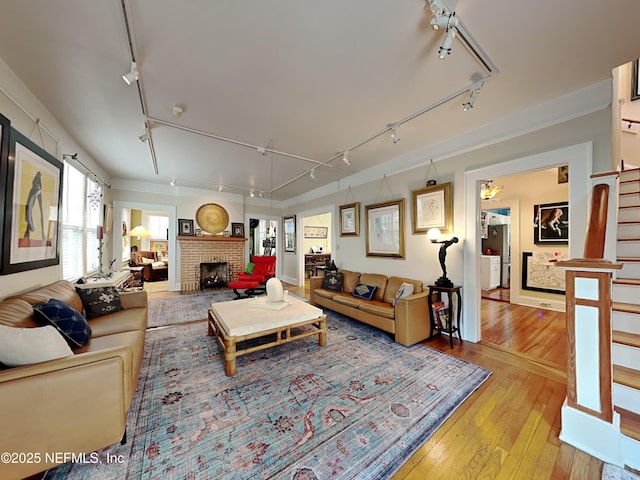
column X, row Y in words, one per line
column 488, row 190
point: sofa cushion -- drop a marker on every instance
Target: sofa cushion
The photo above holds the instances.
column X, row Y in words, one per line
column 320, row 292
column 126, row 320
column 405, row 290
column 394, row 283
column 349, row 280
column 381, row 309
column 69, row 322
column 24, row 346
column 158, row 265
column 61, row 290
column 333, row 281
column 348, row 299
column 364, row 291
column 16, row 312
column 375, row 280
column 100, row 301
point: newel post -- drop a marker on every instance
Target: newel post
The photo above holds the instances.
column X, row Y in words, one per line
column 588, row 417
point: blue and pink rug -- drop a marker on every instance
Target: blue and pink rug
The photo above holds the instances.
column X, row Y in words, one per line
column 356, row 408
column 185, row 308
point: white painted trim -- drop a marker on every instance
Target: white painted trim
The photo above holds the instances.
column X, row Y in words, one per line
column 630, row 452
column 331, row 209
column 592, row 435
column 580, row 160
column 174, row 254
column 279, row 240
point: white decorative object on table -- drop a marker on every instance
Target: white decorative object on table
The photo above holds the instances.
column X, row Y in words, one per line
column 275, row 291
column 277, row 297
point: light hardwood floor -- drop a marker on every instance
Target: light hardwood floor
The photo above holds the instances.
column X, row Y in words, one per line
column 509, row 428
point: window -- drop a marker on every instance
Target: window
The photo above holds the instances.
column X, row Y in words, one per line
column 158, row 226
column 79, row 246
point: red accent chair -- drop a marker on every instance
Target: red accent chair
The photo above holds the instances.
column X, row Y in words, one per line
column 265, row 268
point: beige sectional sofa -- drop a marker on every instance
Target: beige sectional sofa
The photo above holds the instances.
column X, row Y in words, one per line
column 75, row 404
column 408, row 320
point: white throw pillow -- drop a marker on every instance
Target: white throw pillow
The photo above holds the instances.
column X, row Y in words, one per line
column 147, row 261
column 158, row 265
column 405, row 290
column 24, row 346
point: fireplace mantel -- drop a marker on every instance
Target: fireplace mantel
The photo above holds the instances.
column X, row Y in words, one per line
column 210, row 238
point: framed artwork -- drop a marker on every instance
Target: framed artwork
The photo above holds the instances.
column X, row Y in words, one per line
column 385, row 229
column 563, row 174
column 5, row 126
column 185, row 227
column 32, row 206
column 237, row 230
column 540, row 275
column 108, row 218
column 551, row 223
column 350, row 220
column 433, row 208
column 635, row 84
column 315, row 232
column 289, row 234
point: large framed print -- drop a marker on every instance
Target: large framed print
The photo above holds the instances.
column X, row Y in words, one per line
column 32, row 207
column 289, row 233
column 5, row 126
column 551, row 223
column 635, row 84
column 385, row 229
column 540, row 274
column 433, row 208
column 350, row 220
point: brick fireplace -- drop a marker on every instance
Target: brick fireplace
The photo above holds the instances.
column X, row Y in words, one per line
column 208, row 249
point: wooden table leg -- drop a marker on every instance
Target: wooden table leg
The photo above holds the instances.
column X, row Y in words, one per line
column 230, row 357
column 322, row 336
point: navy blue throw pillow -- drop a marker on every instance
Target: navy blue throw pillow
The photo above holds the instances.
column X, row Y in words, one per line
column 99, row 301
column 364, row 291
column 69, row 322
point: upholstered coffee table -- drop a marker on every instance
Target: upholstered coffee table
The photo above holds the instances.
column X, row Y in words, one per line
column 235, row 321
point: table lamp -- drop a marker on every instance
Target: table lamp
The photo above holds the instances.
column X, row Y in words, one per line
column 434, row 234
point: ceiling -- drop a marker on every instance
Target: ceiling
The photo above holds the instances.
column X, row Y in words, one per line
column 301, row 80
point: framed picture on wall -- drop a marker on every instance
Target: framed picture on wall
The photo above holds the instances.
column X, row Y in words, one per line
column 32, row 206
column 385, row 229
column 289, row 233
column 433, row 208
column 551, row 223
column 635, row 84
column 185, row 227
column 315, row 232
column 350, row 220
column 5, row 126
column 237, row 229
column 541, row 275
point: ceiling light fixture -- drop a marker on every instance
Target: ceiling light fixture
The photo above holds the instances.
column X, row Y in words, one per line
column 177, row 110
column 253, row 194
column 394, row 134
column 442, row 18
column 261, row 194
column 475, row 90
column 145, row 136
column 133, row 74
column 488, row 190
column 173, row 182
column 72, row 156
column 220, row 187
column 345, row 158
column 312, row 173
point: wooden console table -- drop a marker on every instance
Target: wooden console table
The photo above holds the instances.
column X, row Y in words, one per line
column 120, row 280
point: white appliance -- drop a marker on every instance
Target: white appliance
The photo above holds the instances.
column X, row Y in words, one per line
column 489, row 272
column 498, row 241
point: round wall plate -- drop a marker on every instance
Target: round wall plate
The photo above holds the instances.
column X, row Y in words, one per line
column 212, row 218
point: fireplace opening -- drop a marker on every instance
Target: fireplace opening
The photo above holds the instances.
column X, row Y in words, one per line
column 213, row 275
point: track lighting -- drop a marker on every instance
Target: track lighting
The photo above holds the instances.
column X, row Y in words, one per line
column 312, row 173
column 475, row 91
column 394, row 134
column 345, row 158
column 133, row 74
column 260, row 193
column 173, row 182
column 73, row 156
column 220, row 187
column 443, row 19
column 253, row 194
column 447, row 43
column 145, row 136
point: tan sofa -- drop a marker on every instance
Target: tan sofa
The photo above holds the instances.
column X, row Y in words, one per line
column 77, row 404
column 408, row 320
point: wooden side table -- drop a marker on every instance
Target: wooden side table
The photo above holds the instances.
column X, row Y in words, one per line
column 452, row 308
column 138, row 276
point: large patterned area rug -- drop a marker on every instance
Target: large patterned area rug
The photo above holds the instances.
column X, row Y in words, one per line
column 356, row 408
column 184, row 308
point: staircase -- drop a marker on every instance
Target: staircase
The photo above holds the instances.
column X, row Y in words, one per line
column 625, row 351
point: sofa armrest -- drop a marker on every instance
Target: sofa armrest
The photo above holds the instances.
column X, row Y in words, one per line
column 76, row 404
column 314, row 282
column 413, row 323
column 137, row 299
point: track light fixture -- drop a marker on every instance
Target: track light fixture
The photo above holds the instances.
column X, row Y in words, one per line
column 253, row 194
column 393, row 127
column 173, row 182
column 220, row 187
column 132, row 76
column 475, row 91
column 72, row 156
column 261, row 194
column 145, row 136
column 345, row 158
column 443, row 19
column 312, row 173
